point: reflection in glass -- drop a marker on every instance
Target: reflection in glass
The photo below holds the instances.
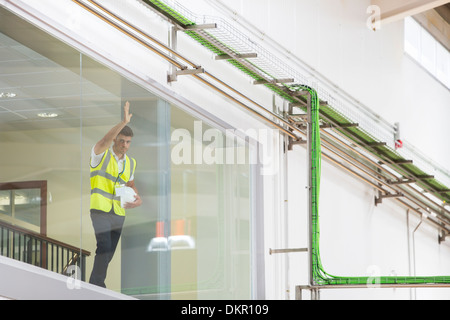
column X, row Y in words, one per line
column 27, row 205
column 178, row 241
column 5, row 202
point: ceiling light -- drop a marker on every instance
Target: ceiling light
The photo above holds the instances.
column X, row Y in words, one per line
column 7, row 94
column 47, row 115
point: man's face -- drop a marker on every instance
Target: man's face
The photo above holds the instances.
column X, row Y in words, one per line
column 122, row 144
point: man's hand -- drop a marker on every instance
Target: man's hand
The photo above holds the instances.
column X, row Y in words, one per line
column 136, row 203
column 126, row 113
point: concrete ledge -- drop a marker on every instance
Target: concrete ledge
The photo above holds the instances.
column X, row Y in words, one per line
column 22, row 281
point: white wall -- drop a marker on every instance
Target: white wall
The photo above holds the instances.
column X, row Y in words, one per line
column 332, row 37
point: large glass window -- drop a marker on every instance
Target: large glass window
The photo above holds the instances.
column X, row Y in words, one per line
column 190, row 238
column 427, row 51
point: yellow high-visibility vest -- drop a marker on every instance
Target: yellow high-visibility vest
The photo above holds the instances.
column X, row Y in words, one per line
column 104, row 177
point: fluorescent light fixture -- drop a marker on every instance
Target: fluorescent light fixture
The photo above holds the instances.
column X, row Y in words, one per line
column 7, row 94
column 181, row 242
column 47, row 115
column 178, row 242
column 158, row 244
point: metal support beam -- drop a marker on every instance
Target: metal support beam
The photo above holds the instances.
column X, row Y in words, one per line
column 236, row 57
column 425, row 177
column 442, row 235
column 331, row 125
column 397, row 182
column 344, row 125
column 403, row 161
column 380, row 197
column 202, row 26
column 376, row 144
column 274, row 81
column 174, row 72
column 171, row 77
column 293, row 142
column 299, row 93
column 274, row 251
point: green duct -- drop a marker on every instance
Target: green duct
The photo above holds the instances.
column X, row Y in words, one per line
column 320, row 276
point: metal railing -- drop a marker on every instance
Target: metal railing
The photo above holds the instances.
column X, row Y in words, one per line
column 29, row 247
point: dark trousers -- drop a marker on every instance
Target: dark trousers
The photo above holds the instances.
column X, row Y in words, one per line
column 108, row 228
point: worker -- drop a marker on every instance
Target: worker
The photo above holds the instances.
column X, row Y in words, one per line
column 111, row 169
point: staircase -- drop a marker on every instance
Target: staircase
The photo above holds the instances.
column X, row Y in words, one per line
column 32, row 248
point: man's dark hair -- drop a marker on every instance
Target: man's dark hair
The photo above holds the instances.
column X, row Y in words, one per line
column 126, row 131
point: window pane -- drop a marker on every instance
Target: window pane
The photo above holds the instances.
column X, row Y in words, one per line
column 428, row 51
column 27, row 205
column 443, row 65
column 40, row 133
column 5, row 202
column 412, row 38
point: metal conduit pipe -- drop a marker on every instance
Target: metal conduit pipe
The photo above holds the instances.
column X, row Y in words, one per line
column 440, row 209
column 415, row 209
column 388, row 162
column 353, row 149
column 182, row 67
column 443, row 209
column 375, row 175
column 420, row 204
column 394, row 166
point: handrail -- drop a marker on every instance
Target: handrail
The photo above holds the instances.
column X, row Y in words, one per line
column 33, row 248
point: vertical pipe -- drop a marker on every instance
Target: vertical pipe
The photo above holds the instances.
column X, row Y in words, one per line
column 285, row 140
column 309, row 186
column 173, row 41
column 408, row 240
column 414, row 252
column 1, row 241
column 81, row 160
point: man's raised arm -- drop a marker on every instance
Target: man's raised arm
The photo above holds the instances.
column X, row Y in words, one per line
column 107, row 140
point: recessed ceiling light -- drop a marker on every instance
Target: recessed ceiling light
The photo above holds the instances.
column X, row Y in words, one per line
column 7, row 94
column 47, row 115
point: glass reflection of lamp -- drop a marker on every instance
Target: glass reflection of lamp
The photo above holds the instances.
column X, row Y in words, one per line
column 158, row 243
column 179, row 240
